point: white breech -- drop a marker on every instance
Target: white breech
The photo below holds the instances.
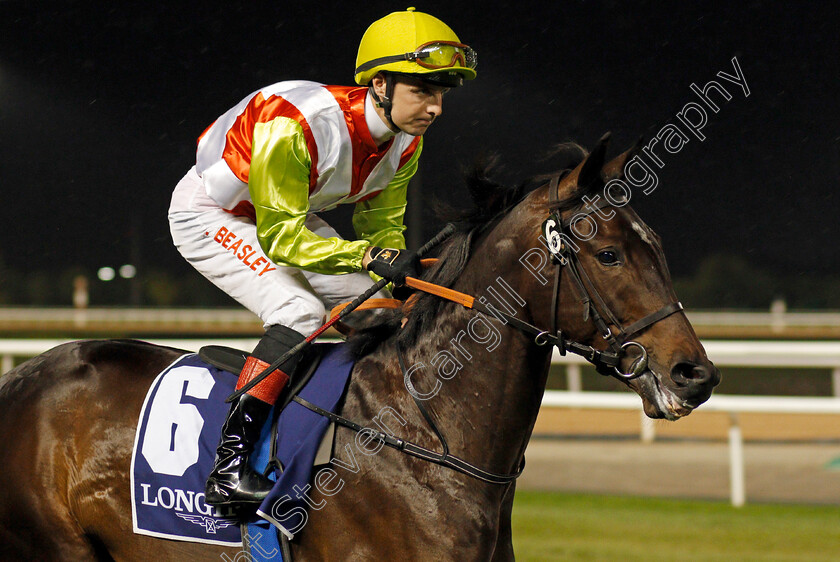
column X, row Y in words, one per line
column 224, row 248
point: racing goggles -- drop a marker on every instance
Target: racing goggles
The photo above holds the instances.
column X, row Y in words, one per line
column 443, row 54
column 434, row 55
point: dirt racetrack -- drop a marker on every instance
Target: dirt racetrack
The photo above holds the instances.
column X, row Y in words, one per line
column 788, row 458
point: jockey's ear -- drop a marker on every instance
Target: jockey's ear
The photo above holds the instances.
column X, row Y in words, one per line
column 379, row 84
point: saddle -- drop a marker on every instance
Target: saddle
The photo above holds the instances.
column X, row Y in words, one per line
column 225, row 358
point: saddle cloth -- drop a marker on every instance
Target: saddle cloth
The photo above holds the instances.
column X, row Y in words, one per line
column 175, row 444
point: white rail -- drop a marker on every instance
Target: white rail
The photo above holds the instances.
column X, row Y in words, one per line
column 92, row 316
column 20, row 348
column 784, row 354
column 733, row 405
column 776, row 320
column 742, row 354
column 787, row 354
column 717, row 403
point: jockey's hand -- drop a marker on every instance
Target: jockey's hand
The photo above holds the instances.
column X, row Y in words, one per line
column 392, row 264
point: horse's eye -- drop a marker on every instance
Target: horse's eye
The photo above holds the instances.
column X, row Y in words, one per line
column 608, row 257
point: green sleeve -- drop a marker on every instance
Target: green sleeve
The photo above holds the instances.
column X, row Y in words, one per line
column 278, row 181
column 379, row 220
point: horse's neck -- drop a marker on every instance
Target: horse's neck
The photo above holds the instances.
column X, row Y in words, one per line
column 487, row 378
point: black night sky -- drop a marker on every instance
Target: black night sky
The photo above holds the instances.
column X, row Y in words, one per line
column 101, row 103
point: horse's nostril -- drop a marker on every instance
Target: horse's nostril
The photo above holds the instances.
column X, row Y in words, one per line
column 685, row 373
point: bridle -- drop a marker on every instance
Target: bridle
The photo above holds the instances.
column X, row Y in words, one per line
column 555, row 233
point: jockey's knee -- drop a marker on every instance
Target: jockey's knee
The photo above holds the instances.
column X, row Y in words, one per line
column 304, row 315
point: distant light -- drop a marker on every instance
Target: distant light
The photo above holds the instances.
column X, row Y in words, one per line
column 106, row 273
column 128, row 271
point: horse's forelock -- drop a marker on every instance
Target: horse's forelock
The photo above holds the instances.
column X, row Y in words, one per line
column 491, row 200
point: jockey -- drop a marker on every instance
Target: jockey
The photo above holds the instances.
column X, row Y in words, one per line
column 244, row 215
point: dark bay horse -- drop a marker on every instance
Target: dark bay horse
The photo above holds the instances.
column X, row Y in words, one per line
column 68, row 417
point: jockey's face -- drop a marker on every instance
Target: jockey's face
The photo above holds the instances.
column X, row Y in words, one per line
column 415, row 104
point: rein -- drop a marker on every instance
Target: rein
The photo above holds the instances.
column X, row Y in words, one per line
column 541, row 337
column 594, row 307
column 412, row 449
column 555, row 229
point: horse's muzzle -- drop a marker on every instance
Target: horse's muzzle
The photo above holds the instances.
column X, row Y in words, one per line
column 687, row 373
column 694, row 381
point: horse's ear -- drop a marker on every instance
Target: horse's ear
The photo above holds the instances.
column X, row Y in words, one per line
column 615, row 167
column 588, row 172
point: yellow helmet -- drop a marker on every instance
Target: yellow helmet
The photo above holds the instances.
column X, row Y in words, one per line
column 412, row 42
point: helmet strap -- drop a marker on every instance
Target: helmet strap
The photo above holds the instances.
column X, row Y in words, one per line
column 385, row 102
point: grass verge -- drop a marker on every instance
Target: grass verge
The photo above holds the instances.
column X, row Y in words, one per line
column 559, row 526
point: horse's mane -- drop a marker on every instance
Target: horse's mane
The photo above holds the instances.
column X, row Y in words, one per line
column 491, row 201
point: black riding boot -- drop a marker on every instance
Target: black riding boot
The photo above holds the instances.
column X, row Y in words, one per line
column 232, row 479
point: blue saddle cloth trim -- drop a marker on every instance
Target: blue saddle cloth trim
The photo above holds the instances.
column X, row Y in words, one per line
column 261, row 537
column 301, row 431
column 171, row 505
column 263, row 542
